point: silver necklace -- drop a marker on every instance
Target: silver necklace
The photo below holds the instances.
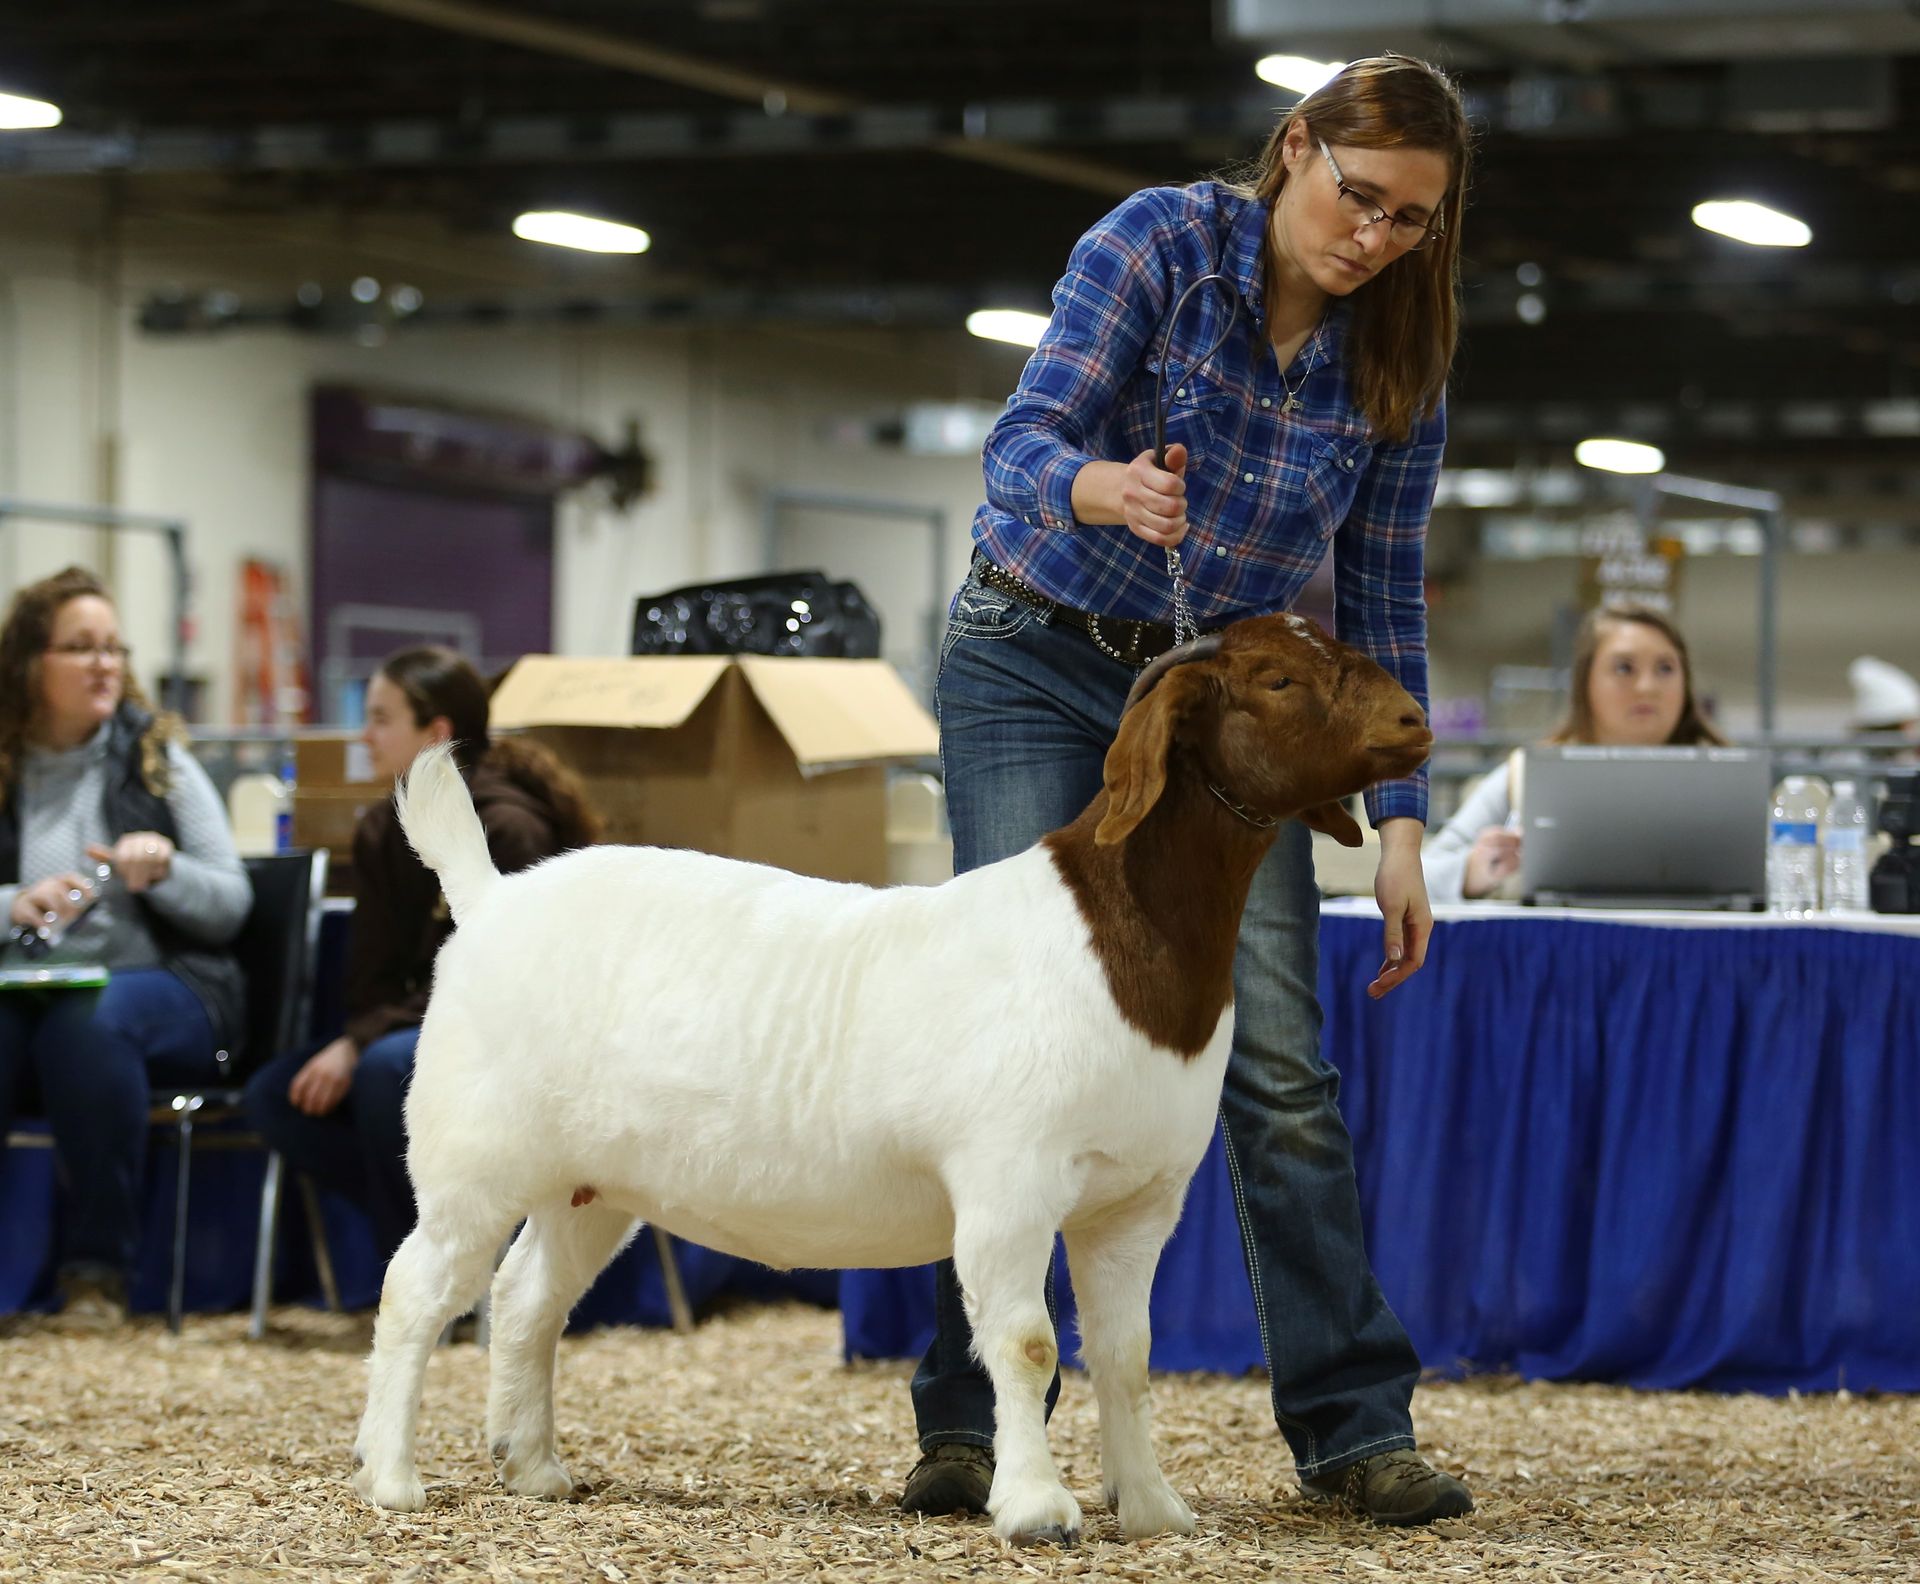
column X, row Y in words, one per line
column 1292, row 403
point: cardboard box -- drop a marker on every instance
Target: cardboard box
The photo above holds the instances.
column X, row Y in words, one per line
column 777, row 761
column 333, row 781
column 331, row 761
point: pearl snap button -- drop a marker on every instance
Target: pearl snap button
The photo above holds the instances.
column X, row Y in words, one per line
column 1181, row 391
column 1246, row 478
column 1266, row 401
column 1220, row 550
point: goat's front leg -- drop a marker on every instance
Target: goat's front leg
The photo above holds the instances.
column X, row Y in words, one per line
column 1113, row 1264
column 1003, row 1274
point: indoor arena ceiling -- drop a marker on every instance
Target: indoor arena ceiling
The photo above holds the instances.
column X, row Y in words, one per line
column 899, row 162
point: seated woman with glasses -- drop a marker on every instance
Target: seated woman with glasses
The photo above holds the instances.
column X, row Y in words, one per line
column 115, row 852
column 337, row 1113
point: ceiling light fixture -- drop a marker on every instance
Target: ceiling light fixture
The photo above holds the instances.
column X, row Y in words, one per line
column 562, row 229
column 1619, row 456
column 1007, row 324
column 1296, row 72
column 1752, row 223
column 21, row 114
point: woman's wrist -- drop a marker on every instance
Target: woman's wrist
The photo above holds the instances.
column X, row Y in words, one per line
column 1096, row 494
column 1400, row 835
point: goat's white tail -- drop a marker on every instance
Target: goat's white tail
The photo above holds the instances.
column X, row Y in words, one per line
column 436, row 811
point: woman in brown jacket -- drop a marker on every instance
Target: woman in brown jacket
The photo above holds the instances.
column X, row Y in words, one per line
column 337, row 1113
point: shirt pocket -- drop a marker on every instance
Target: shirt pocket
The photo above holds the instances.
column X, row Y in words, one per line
column 1198, row 407
column 1334, row 472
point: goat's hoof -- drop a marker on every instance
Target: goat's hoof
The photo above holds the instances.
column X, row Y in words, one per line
column 1036, row 1517
column 1150, row 1510
column 398, row 1493
column 544, row 1478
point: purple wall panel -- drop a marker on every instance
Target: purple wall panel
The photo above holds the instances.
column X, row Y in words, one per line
column 484, row 560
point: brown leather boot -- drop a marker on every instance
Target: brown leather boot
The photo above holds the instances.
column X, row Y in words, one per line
column 1394, row 1488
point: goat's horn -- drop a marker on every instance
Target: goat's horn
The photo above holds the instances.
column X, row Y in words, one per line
column 1192, row 649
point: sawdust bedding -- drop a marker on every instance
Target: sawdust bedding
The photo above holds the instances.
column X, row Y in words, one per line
column 748, row 1450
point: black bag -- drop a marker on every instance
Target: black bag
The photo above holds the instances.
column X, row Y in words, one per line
column 779, row 613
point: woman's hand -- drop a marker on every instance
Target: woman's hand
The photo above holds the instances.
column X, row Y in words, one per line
column 56, row 900
column 1153, row 500
column 1495, row 854
column 1400, row 888
column 325, row 1077
column 140, row 858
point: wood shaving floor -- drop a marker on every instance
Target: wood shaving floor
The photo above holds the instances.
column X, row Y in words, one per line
column 749, row 1451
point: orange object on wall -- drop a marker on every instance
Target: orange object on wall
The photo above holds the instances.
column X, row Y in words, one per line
column 272, row 683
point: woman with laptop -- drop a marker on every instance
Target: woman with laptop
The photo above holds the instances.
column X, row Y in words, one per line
column 1632, row 687
column 119, row 879
column 337, row 1113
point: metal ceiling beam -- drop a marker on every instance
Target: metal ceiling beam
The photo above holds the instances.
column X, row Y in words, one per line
column 1019, row 132
column 612, row 138
column 1711, row 290
column 218, row 312
column 1727, row 290
column 1892, row 291
column 625, row 54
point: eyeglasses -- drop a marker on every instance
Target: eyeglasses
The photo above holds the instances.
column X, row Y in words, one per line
column 1403, row 230
column 115, row 653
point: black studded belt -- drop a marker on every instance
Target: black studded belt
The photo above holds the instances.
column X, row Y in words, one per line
column 1132, row 643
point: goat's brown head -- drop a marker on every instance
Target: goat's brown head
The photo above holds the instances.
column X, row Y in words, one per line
column 1279, row 717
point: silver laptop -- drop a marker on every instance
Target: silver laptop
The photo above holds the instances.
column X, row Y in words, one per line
column 1645, row 827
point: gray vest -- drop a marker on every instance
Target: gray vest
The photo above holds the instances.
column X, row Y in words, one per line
column 211, row 972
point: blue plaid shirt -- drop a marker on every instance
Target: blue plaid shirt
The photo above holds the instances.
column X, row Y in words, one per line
column 1266, row 495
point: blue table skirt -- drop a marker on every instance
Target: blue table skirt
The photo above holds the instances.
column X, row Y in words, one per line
column 1602, row 1151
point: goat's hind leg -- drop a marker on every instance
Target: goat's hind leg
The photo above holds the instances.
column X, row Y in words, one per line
column 1113, row 1264
column 557, row 1255
column 438, row 1272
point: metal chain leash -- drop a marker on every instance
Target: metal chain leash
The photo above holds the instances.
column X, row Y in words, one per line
column 1185, row 628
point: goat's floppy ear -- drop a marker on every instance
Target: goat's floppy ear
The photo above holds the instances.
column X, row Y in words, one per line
column 1332, row 819
column 1136, row 768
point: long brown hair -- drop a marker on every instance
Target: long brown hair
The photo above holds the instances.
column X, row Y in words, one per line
column 437, row 681
column 23, row 647
column 1406, row 320
column 1691, row 729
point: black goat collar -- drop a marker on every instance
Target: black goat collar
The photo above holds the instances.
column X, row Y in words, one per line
column 1254, row 818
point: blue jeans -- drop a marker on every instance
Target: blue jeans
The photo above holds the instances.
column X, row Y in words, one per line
column 359, row 1148
column 1027, row 712
column 88, row 1060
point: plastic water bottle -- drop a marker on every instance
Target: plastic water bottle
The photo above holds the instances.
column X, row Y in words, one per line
column 1844, row 837
column 1793, row 847
column 283, row 815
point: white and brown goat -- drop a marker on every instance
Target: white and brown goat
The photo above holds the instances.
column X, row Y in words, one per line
column 813, row 1074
